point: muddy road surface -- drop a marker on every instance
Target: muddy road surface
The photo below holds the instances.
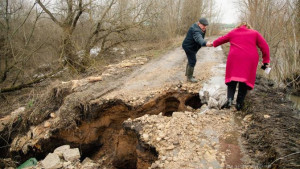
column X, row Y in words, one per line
column 138, row 113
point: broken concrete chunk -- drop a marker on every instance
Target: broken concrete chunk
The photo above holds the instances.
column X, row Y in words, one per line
column 52, row 161
column 71, row 154
column 60, row 150
column 67, row 164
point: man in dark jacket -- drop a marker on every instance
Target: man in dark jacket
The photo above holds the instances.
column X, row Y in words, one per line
column 192, row 43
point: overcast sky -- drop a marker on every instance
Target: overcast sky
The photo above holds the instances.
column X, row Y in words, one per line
column 228, row 9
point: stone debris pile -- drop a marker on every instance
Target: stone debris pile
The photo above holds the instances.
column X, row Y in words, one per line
column 187, row 139
column 67, row 158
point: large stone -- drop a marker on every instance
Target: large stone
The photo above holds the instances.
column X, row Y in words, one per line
column 60, row 150
column 52, row 161
column 67, row 164
column 71, row 154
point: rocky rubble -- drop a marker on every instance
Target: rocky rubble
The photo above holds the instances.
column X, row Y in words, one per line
column 190, row 140
column 65, row 157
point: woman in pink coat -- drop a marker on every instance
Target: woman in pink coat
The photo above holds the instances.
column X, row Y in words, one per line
column 242, row 61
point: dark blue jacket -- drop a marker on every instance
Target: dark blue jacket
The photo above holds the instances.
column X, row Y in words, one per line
column 194, row 39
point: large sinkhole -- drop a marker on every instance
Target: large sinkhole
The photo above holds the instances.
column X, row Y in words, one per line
column 171, row 105
column 99, row 133
column 194, row 101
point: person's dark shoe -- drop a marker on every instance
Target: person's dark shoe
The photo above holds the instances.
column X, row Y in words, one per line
column 239, row 106
column 227, row 104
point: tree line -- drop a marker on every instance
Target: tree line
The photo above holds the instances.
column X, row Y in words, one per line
column 53, row 35
column 43, row 33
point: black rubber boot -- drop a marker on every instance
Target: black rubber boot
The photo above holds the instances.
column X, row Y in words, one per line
column 231, row 86
column 239, row 106
column 227, row 104
column 241, row 96
column 190, row 72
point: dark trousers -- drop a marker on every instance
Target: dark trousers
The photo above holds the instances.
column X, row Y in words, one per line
column 242, row 92
column 191, row 58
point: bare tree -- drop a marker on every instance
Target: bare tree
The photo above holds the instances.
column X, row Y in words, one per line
column 17, row 24
column 277, row 20
column 213, row 15
column 113, row 27
column 116, row 19
column 68, row 23
column 191, row 12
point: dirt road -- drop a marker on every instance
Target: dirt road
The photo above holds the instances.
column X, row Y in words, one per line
column 166, row 71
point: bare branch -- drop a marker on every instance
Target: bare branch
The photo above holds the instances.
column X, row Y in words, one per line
column 49, row 13
column 32, row 30
column 80, row 11
column 30, row 83
column 90, row 41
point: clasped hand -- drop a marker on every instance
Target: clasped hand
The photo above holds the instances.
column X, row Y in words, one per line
column 209, row 44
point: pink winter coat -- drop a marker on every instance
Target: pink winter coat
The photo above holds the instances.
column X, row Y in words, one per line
column 243, row 55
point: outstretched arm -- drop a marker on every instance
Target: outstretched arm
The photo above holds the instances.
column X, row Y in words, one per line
column 264, row 48
column 221, row 40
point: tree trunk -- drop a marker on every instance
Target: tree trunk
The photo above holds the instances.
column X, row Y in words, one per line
column 68, row 25
column 68, row 52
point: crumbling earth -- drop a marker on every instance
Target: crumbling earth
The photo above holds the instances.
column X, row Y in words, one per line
column 142, row 113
